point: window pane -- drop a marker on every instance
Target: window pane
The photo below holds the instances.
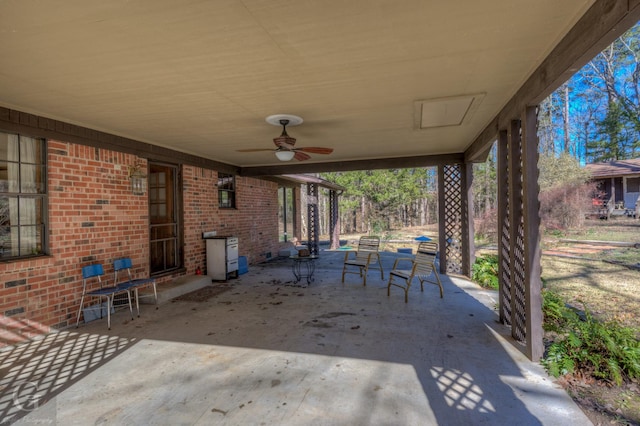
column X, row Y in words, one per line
column 5, row 218
column 4, row 176
column 8, row 143
column 30, row 211
column 30, row 182
column 30, row 241
column 5, row 242
column 30, row 150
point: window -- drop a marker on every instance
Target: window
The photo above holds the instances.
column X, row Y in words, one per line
column 226, row 190
column 23, row 196
column 633, row 184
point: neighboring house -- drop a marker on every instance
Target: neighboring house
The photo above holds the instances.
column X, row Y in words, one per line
column 618, row 183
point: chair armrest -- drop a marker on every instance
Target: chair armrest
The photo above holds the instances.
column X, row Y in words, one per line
column 401, row 259
column 347, row 253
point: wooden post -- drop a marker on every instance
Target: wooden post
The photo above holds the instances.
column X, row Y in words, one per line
column 531, row 207
column 442, row 229
column 504, row 272
column 334, row 220
column 468, row 228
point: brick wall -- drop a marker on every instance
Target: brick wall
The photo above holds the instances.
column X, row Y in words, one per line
column 94, row 218
column 254, row 220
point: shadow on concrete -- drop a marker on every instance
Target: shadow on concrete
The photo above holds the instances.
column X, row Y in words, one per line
column 270, row 351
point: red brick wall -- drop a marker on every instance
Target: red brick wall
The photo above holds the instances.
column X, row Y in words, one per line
column 94, row 218
column 254, row 220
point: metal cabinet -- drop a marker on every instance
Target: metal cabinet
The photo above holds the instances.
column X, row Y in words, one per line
column 222, row 257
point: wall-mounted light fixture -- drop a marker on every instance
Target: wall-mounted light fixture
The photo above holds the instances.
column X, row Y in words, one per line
column 138, row 180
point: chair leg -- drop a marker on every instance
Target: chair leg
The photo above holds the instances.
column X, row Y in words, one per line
column 109, row 312
column 406, row 294
column 439, row 283
column 80, row 310
column 138, row 301
column 155, row 294
column 130, row 308
column 366, row 270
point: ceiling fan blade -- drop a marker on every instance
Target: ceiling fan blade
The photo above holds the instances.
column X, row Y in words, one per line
column 301, row 156
column 315, row 150
column 254, row 150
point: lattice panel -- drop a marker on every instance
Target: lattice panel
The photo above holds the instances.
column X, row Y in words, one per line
column 333, row 219
column 518, row 303
column 505, row 247
column 312, row 217
column 453, row 217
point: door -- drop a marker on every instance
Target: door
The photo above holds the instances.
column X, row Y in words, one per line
column 164, row 224
column 632, row 192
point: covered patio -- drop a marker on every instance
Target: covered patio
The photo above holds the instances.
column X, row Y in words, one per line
column 266, row 351
column 180, row 92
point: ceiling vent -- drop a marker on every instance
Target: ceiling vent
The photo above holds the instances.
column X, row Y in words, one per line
column 444, row 112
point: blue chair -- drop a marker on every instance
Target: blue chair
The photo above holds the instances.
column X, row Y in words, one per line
column 131, row 284
column 96, row 272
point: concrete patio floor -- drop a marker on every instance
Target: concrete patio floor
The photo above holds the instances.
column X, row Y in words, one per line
column 269, row 352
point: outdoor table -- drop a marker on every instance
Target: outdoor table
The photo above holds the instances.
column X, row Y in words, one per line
column 307, row 271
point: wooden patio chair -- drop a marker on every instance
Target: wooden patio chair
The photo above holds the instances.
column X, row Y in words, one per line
column 366, row 257
column 422, row 266
column 95, row 272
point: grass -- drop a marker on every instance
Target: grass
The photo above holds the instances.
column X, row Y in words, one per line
column 603, row 279
column 622, row 229
column 606, row 282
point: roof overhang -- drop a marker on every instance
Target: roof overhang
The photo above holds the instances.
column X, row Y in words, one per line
column 381, row 83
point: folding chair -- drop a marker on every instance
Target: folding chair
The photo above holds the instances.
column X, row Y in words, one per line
column 366, row 256
column 96, row 271
column 422, row 266
column 132, row 284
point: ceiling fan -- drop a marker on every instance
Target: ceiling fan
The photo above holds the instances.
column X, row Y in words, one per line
column 285, row 145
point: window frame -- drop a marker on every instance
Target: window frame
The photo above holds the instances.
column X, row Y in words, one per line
column 226, row 190
column 635, row 184
column 41, row 194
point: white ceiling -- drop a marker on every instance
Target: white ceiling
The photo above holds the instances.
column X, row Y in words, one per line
column 201, row 76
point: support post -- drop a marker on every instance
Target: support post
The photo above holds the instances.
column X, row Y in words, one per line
column 312, row 216
column 532, row 250
column 504, row 246
column 468, row 228
column 442, row 231
column 334, row 220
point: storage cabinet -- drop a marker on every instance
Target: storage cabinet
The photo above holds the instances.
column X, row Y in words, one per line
column 222, row 257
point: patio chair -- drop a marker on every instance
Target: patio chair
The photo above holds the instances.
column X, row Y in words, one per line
column 366, row 257
column 130, row 284
column 422, row 266
column 95, row 272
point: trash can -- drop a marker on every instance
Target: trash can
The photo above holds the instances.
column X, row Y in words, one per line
column 243, row 266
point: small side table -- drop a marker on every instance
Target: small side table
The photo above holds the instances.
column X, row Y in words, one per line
column 307, row 271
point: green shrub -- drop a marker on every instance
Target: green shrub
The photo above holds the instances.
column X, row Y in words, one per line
column 604, row 350
column 555, row 313
column 485, row 271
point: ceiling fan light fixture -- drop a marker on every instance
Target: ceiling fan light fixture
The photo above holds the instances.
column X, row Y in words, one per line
column 284, row 155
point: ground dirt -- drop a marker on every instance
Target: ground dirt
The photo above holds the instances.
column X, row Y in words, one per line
column 604, row 278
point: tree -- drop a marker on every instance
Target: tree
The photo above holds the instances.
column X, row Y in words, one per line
column 379, row 200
